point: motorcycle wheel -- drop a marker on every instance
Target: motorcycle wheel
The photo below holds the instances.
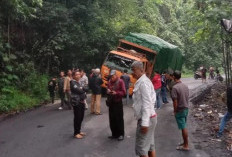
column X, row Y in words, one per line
column 195, row 76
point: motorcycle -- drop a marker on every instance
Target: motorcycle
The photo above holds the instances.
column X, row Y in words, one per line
column 197, row 75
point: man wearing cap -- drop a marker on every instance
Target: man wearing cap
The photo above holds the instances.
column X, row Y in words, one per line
column 144, row 98
column 115, row 91
column 95, row 86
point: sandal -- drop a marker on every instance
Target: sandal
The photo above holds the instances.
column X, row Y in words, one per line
column 180, row 144
column 182, row 148
column 82, row 134
column 98, row 114
column 79, row 136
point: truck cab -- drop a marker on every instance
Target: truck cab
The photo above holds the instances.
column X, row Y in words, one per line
column 123, row 57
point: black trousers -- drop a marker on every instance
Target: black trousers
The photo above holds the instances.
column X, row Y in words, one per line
column 116, row 119
column 79, row 112
column 52, row 95
column 62, row 97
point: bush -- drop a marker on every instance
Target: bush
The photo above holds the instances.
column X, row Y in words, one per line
column 186, row 73
column 31, row 91
column 36, row 85
column 14, row 100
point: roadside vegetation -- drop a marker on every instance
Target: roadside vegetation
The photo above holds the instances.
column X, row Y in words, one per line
column 38, row 38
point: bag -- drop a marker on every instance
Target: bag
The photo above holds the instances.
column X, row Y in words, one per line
column 107, row 103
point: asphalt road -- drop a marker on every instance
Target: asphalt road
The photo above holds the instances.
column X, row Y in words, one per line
column 47, row 132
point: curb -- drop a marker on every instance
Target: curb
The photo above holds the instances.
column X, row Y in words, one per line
column 198, row 93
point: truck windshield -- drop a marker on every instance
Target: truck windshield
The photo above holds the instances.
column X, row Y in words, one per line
column 117, row 62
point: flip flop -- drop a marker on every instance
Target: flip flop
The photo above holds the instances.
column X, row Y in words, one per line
column 79, row 136
column 180, row 144
column 182, row 148
column 82, row 134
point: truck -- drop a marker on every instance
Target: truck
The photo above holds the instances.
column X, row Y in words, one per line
column 155, row 54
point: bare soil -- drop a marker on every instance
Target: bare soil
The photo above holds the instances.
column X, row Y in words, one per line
column 207, row 114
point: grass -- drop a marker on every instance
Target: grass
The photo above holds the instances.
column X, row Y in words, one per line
column 16, row 101
column 33, row 94
column 187, row 75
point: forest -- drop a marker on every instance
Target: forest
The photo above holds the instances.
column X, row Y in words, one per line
column 38, row 38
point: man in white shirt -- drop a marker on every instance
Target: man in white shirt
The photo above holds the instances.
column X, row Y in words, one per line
column 144, row 98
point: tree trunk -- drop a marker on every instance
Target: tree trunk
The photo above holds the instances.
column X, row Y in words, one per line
column 8, row 34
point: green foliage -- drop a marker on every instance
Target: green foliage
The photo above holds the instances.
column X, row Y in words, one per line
column 203, row 41
column 30, row 92
column 14, row 100
column 39, row 38
column 186, row 73
column 36, row 85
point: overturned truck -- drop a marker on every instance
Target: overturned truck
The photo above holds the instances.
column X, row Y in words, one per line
column 155, row 54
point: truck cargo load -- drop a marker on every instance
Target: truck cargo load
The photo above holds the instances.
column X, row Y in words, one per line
column 168, row 56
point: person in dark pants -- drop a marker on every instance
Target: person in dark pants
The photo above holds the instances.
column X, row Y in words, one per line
column 52, row 88
column 164, row 88
column 115, row 91
column 95, row 86
column 67, row 91
column 61, row 89
column 126, row 78
column 77, row 100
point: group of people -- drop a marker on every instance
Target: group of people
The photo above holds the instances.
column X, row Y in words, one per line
column 160, row 85
column 145, row 102
column 146, row 94
column 212, row 75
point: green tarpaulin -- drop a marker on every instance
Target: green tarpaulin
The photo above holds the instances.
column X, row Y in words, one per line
column 169, row 56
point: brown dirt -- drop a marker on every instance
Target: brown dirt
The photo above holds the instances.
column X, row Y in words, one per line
column 206, row 113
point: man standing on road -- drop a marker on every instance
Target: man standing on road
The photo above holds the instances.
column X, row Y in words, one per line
column 144, row 98
column 156, row 81
column 170, row 80
column 228, row 114
column 203, row 74
column 164, row 88
column 61, row 89
column 115, row 91
column 180, row 97
column 84, row 83
column 77, row 100
column 52, row 88
column 67, row 90
column 95, row 86
column 126, row 78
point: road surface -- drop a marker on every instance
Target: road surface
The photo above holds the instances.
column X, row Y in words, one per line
column 47, row 132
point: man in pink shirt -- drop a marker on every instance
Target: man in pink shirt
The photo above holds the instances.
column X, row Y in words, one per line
column 115, row 92
column 156, row 81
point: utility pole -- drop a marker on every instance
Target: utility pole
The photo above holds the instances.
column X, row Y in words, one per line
column 226, row 48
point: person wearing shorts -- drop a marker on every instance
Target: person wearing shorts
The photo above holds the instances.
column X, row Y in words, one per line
column 181, row 118
column 180, row 97
column 144, row 98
